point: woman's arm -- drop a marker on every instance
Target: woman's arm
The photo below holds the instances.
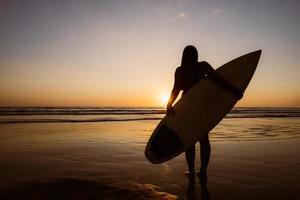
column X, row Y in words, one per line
column 173, row 96
column 213, row 74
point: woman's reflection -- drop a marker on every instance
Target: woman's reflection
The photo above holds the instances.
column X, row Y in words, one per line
column 191, row 189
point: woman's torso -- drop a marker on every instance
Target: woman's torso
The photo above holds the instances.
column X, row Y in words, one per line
column 186, row 77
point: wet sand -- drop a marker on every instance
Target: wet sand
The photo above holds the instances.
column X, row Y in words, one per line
column 106, row 161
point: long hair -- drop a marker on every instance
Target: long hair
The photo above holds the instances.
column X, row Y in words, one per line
column 189, row 56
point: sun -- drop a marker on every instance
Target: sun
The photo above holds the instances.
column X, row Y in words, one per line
column 164, row 99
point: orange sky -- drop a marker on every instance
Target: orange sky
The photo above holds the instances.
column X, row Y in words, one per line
column 125, row 53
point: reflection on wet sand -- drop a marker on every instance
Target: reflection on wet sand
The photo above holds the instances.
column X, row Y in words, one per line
column 86, row 189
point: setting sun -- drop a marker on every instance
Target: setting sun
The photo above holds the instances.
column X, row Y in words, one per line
column 164, row 99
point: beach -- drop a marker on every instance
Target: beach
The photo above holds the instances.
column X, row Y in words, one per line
column 252, row 158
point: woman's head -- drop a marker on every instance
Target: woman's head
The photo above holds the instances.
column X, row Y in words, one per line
column 189, row 55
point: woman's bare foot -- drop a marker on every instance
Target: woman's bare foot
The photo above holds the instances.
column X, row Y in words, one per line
column 190, row 176
column 202, row 174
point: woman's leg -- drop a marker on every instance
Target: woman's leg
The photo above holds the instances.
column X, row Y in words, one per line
column 190, row 158
column 205, row 155
column 204, row 152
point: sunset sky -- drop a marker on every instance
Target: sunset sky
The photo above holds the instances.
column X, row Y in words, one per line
column 125, row 52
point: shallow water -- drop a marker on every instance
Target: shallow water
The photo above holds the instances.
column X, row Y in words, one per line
column 252, row 158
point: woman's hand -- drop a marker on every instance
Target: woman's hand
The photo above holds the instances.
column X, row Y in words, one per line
column 170, row 110
column 238, row 93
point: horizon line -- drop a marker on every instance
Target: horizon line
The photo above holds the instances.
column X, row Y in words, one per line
column 121, row 106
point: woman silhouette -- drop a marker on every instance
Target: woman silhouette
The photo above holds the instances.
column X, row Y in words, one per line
column 186, row 76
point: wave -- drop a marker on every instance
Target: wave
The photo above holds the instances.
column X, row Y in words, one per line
column 125, row 110
column 108, row 114
column 74, row 120
column 78, row 111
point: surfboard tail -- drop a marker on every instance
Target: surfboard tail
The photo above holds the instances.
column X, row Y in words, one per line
column 164, row 146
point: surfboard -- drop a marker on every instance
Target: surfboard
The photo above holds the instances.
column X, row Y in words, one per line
column 199, row 110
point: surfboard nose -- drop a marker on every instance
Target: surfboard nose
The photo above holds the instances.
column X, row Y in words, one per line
column 255, row 55
column 258, row 53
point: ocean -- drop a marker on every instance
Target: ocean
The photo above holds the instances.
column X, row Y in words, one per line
column 266, row 122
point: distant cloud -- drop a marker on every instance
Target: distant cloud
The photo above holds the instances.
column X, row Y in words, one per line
column 181, row 15
column 216, row 12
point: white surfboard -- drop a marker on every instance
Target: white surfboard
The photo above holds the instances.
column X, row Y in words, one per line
column 199, row 110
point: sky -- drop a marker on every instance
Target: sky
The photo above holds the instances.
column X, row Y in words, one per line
column 125, row 52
